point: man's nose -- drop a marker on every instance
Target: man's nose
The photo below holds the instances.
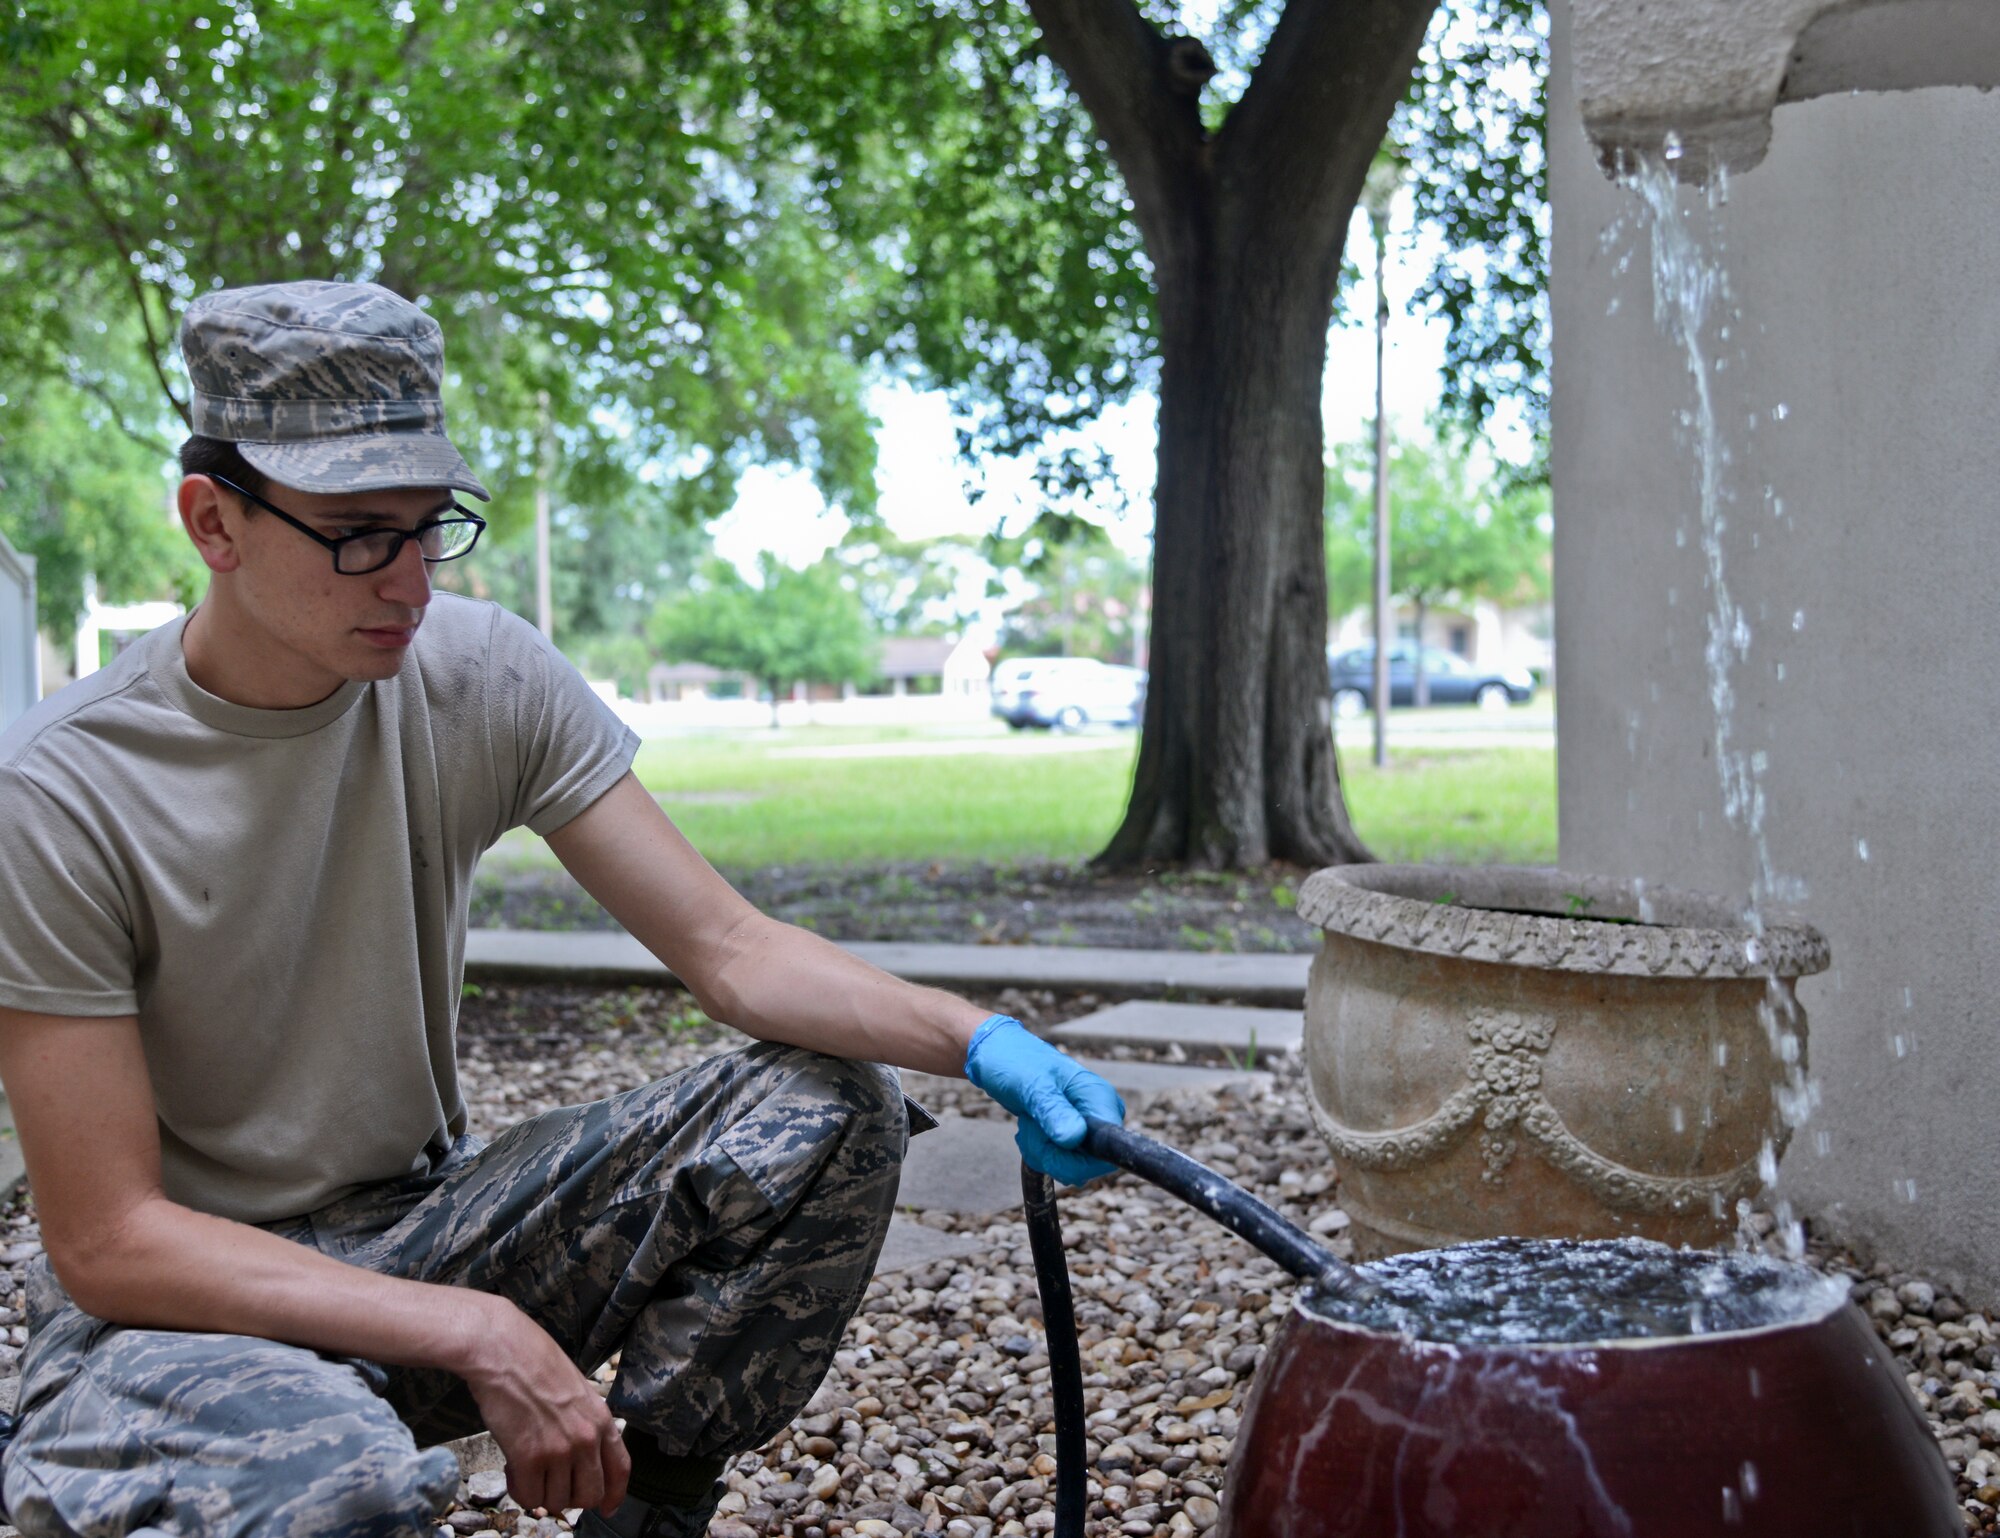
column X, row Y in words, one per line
column 407, row 579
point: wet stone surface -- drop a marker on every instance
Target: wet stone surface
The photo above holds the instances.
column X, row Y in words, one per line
column 1510, row 1292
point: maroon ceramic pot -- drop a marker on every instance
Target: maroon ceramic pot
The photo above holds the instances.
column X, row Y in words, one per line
column 1801, row 1430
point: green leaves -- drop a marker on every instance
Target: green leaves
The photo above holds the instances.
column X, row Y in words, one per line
column 791, row 626
column 1455, row 531
column 1089, row 604
column 600, row 192
column 82, row 496
column 1474, row 128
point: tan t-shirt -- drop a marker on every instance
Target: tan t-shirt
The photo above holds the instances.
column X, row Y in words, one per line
column 280, row 895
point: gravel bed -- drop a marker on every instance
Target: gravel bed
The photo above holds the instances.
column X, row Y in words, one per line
column 936, row 1418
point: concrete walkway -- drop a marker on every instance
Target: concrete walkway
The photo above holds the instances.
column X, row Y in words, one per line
column 601, row 955
column 1212, row 1027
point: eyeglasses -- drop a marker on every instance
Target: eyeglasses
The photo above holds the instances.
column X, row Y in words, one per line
column 355, row 555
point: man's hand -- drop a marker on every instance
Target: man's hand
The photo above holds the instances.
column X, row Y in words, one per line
column 562, row 1446
column 1050, row 1093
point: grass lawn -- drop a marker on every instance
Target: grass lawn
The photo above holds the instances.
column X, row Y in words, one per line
column 1456, row 806
column 849, row 796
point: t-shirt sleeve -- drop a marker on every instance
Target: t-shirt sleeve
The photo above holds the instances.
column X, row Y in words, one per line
column 65, row 933
column 557, row 746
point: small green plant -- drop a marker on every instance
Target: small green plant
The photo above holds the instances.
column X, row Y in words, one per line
column 1248, row 1062
column 1446, row 900
column 471, row 991
column 1284, row 897
column 1577, row 906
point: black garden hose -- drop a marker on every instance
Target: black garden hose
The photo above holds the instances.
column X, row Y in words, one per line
column 1065, row 1360
column 1200, row 1187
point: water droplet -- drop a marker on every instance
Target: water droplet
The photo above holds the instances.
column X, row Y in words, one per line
column 1722, row 1054
column 1672, row 148
column 1781, row 672
column 1861, row 849
column 1680, row 540
column 1680, row 1119
column 1767, row 1164
column 1732, row 1507
column 1748, row 1480
column 1798, row 619
column 1908, row 1001
column 1759, row 761
column 1613, row 306
column 1900, row 1045
column 1780, row 411
column 1822, row 1142
column 1907, row 1189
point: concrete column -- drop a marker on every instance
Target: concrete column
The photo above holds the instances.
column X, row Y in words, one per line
column 1858, row 403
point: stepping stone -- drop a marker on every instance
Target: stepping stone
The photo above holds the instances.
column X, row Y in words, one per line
column 965, row 1164
column 1212, row 1026
column 1148, row 1078
column 477, row 1454
column 910, row 1243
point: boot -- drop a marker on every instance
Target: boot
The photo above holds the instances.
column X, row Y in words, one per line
column 635, row 1518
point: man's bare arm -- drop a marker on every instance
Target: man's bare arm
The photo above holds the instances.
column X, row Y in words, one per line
column 89, row 1129
column 773, row 980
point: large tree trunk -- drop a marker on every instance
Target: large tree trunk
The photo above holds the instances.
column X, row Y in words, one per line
column 1245, row 229
column 1236, row 765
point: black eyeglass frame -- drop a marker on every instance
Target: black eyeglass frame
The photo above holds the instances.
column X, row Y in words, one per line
column 402, row 536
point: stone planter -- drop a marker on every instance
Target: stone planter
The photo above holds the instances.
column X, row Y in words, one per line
column 1483, row 1064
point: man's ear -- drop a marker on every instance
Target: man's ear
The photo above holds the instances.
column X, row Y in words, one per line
column 207, row 521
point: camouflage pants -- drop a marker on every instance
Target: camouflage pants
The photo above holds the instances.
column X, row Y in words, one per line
column 716, row 1229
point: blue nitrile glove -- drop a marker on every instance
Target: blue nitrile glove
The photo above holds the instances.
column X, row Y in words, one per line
column 1050, row 1093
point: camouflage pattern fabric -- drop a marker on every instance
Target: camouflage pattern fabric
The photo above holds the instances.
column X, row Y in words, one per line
column 717, row 1229
column 326, row 387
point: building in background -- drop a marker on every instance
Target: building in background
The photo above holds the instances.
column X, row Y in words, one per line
column 931, row 665
column 672, row 683
column 20, row 643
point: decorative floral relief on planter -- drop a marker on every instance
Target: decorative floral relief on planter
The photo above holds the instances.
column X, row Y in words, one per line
column 1692, row 1010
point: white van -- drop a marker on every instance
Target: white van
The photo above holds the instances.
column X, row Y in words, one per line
column 1067, row 692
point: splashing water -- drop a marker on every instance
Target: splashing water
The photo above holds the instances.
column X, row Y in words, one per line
column 1512, row 1292
column 1690, row 295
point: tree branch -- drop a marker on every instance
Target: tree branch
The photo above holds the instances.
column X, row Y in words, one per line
column 1139, row 89
column 72, row 151
column 101, row 393
column 1329, row 79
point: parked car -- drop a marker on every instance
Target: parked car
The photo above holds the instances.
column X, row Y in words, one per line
column 1451, row 680
column 1067, row 692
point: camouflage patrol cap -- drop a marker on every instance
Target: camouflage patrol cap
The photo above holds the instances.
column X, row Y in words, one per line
column 325, row 387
